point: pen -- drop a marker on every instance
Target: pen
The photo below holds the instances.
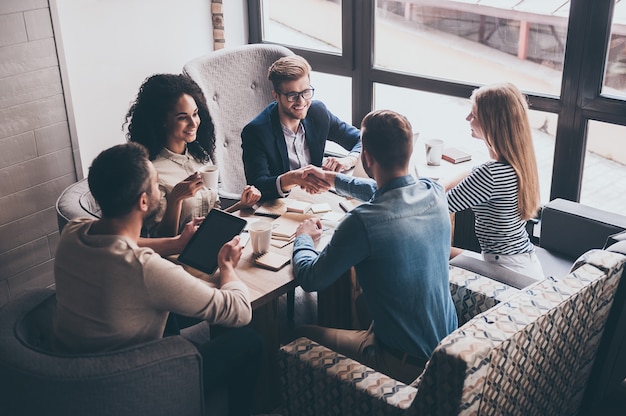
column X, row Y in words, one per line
column 343, row 206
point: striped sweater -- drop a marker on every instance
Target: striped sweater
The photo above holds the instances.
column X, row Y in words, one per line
column 491, row 192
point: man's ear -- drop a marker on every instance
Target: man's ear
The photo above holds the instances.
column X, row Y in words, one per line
column 143, row 203
column 366, row 158
column 275, row 95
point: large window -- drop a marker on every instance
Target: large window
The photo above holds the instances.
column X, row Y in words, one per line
column 314, row 24
column 615, row 72
column 464, row 41
column 424, row 58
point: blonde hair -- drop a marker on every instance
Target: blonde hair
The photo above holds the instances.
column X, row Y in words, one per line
column 502, row 113
column 288, row 68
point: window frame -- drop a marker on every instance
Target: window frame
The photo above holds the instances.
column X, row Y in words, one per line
column 580, row 100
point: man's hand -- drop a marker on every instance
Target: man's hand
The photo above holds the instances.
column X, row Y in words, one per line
column 250, row 196
column 229, row 255
column 301, row 177
column 312, row 227
column 186, row 188
column 326, row 176
column 339, row 164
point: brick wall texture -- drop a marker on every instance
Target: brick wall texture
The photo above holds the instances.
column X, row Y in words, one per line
column 36, row 153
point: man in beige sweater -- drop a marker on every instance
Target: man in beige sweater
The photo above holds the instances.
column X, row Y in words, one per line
column 114, row 291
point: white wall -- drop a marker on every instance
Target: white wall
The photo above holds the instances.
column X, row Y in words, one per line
column 108, row 47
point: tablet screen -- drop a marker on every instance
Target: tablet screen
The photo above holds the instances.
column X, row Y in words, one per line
column 217, row 228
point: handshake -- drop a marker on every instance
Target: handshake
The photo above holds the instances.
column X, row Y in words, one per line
column 313, row 179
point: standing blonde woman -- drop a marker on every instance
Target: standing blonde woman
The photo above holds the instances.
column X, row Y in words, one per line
column 503, row 193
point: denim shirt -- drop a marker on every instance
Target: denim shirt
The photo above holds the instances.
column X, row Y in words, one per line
column 399, row 244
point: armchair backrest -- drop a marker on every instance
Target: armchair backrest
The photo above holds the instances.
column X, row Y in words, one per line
column 531, row 354
column 163, row 377
column 235, row 84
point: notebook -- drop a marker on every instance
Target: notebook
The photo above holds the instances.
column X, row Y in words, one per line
column 272, row 261
column 217, row 229
column 285, row 226
column 272, row 208
column 300, row 207
column 454, row 155
column 321, row 208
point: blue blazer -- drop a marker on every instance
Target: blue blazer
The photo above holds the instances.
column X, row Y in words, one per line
column 265, row 152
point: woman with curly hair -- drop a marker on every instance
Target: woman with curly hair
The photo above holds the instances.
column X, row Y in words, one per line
column 503, row 193
column 171, row 119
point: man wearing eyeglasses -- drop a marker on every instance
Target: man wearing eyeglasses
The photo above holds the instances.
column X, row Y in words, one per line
column 289, row 135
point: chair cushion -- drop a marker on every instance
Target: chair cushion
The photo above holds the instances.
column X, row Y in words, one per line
column 570, row 229
column 76, row 201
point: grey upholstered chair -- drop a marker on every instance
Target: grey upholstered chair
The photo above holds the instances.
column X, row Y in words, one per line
column 76, row 201
column 236, row 87
column 162, row 377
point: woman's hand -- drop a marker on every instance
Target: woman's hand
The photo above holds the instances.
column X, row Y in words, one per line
column 250, row 196
column 186, row 188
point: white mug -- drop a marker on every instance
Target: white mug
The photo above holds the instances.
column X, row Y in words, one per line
column 260, row 236
column 210, row 174
column 434, row 150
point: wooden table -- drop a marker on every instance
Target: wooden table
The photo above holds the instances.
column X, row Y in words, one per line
column 266, row 286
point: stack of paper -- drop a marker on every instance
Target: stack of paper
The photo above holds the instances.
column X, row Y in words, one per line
column 300, row 207
column 321, row 208
column 285, row 228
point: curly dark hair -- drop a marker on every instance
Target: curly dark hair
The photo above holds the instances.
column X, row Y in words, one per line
column 156, row 97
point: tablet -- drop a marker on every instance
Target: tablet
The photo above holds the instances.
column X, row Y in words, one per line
column 217, row 229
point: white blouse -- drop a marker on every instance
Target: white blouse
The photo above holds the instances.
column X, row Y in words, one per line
column 173, row 168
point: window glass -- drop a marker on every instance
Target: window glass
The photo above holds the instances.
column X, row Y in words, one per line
column 314, row 24
column 603, row 183
column 469, row 41
column 336, row 92
column 440, row 117
column 615, row 70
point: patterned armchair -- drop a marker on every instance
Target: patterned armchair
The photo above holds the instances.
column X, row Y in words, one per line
column 516, row 352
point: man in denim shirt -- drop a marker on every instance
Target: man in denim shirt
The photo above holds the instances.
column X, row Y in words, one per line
column 399, row 243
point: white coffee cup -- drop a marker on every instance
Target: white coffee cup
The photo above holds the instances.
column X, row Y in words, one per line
column 210, row 174
column 260, row 236
column 434, row 150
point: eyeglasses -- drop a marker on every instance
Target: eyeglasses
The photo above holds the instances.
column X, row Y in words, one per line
column 294, row 96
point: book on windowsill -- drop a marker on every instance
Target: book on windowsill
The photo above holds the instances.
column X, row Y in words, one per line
column 272, row 261
column 454, row 155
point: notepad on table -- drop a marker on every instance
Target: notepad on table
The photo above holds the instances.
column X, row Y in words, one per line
column 285, row 226
column 454, row 155
column 273, row 208
column 272, row 261
column 333, row 216
column 300, row 207
column 320, row 208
